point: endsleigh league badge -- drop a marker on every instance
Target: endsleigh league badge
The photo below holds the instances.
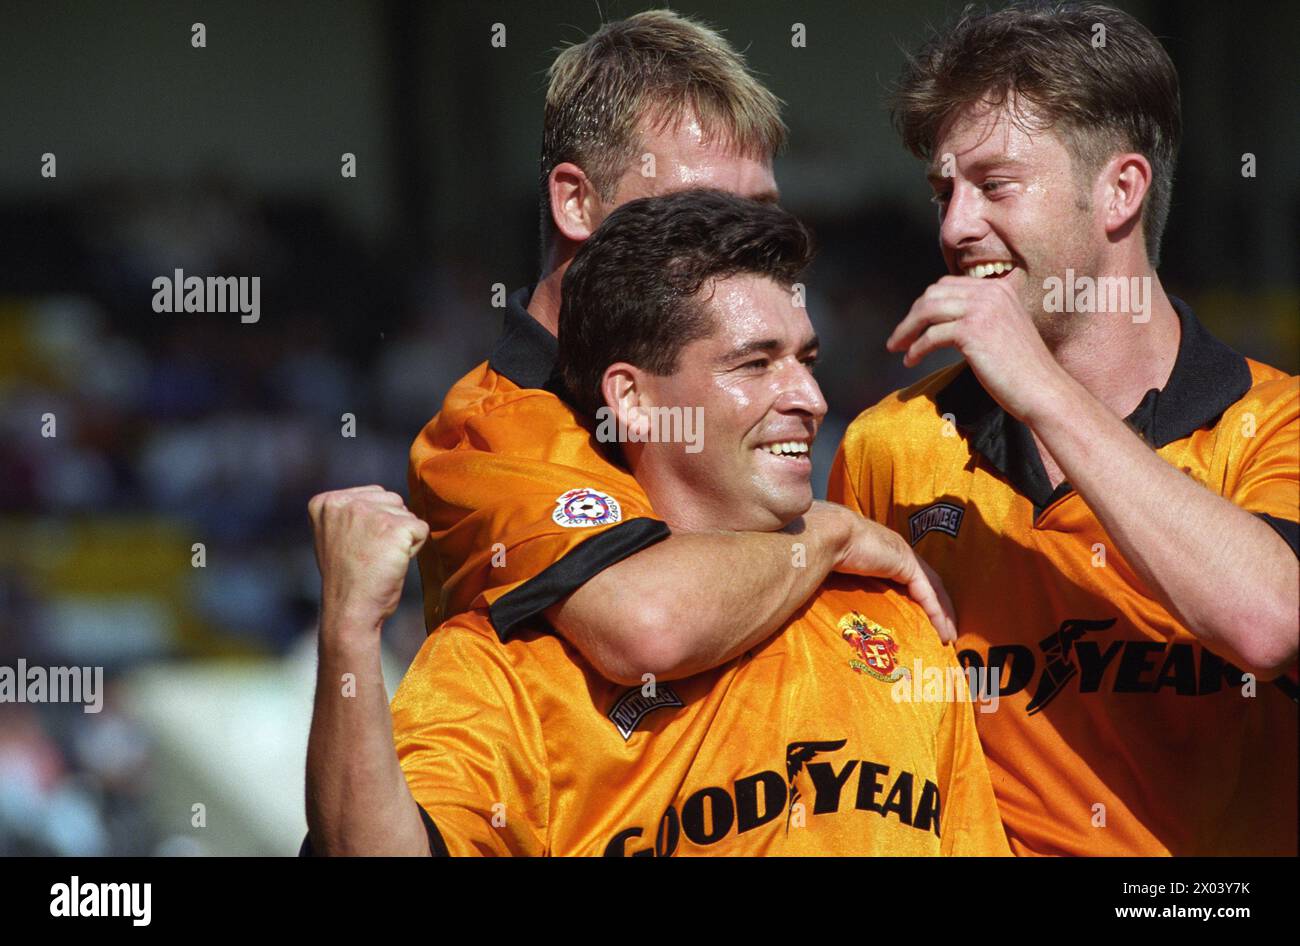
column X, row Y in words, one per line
column 582, row 507
column 875, row 646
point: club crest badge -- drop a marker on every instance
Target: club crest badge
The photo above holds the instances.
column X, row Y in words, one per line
column 875, row 650
column 583, row 507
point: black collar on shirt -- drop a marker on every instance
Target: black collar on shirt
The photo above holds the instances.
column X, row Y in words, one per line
column 526, row 352
column 1208, row 377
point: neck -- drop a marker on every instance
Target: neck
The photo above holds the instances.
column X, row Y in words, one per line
column 668, row 497
column 1117, row 359
column 685, row 511
column 544, row 306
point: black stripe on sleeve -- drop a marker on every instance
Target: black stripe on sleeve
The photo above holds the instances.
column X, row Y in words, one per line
column 573, row 571
column 1288, row 530
column 437, row 847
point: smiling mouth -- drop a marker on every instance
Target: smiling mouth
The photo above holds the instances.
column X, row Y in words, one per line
column 786, row 449
column 994, row 270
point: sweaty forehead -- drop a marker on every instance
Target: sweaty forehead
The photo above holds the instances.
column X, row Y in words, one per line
column 686, row 155
column 748, row 307
column 984, row 131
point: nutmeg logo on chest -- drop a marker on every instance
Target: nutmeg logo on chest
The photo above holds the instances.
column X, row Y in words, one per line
column 940, row 517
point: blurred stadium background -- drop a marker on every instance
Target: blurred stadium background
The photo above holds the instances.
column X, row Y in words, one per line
column 175, row 429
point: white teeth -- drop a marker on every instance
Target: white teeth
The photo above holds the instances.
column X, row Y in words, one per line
column 983, row 270
column 786, row 448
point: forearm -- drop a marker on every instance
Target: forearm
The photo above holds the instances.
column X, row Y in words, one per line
column 1226, row 575
column 696, row 600
column 358, row 802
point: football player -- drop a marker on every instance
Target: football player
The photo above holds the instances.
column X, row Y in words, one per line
column 647, row 105
column 816, row 741
column 1109, row 492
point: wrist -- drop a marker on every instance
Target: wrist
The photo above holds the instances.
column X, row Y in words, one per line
column 832, row 525
column 349, row 626
column 1056, row 400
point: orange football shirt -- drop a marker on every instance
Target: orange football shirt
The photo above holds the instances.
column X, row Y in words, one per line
column 823, row 740
column 523, row 504
column 1118, row 732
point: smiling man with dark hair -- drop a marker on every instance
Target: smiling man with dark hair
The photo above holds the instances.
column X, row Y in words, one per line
column 814, row 742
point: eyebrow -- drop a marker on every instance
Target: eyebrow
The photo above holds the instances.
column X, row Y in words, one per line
column 983, row 164
column 767, row 345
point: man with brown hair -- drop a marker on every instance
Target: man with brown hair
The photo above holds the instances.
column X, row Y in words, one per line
column 1109, row 492
column 809, row 744
column 530, row 520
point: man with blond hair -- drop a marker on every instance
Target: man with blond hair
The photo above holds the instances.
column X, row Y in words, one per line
column 645, row 106
column 532, row 520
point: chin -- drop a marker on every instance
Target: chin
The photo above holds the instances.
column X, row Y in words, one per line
column 789, row 508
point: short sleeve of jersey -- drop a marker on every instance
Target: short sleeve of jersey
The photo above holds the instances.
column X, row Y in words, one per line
column 1265, row 475
column 470, row 744
column 969, row 821
column 523, row 510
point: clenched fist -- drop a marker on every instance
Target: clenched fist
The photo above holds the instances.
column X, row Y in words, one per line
column 365, row 539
